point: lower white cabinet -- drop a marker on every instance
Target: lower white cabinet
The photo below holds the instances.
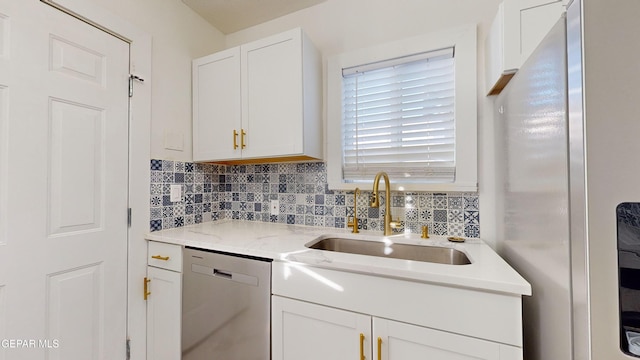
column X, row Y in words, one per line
column 163, row 292
column 395, row 340
column 302, row 330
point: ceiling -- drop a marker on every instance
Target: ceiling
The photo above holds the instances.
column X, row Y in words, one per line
column 230, row 16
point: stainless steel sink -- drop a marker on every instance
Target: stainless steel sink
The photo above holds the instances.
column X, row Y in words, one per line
column 434, row 254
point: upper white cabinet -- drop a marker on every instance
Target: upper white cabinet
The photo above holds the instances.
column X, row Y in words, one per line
column 259, row 101
column 516, row 31
column 216, row 105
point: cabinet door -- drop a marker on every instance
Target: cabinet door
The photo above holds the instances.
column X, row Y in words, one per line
column 217, row 106
column 537, row 17
column 163, row 314
column 272, row 95
column 302, row 330
column 516, row 31
column 400, row 341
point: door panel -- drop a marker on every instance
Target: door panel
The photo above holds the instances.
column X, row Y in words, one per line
column 63, row 185
column 76, row 61
column 76, row 169
column 405, row 341
column 535, row 22
column 163, row 315
column 302, row 330
column 216, row 106
column 3, row 320
column 3, row 164
column 4, row 34
column 272, row 118
column 75, row 312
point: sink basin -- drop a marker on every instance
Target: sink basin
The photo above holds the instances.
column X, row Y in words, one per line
column 434, row 254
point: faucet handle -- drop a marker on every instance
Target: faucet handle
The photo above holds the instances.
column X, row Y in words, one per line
column 374, row 201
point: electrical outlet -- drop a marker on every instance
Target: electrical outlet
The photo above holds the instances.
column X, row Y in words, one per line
column 275, row 207
column 175, row 194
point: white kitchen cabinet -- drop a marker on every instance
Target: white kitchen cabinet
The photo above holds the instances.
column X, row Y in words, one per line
column 163, row 292
column 303, row 330
column 412, row 319
column 260, row 101
column 216, row 105
column 394, row 340
column 516, row 31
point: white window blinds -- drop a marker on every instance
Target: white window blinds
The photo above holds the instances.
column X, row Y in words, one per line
column 398, row 117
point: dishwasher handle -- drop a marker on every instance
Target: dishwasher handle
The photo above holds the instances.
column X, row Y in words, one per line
column 225, row 274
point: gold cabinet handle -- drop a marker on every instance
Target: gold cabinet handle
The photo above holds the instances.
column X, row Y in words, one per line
column 146, row 288
column 379, row 348
column 160, row 257
column 362, row 346
column 242, row 135
column 235, row 139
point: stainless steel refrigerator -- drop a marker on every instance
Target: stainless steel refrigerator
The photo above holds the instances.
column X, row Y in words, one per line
column 568, row 160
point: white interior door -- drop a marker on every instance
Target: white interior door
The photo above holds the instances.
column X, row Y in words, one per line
column 63, row 186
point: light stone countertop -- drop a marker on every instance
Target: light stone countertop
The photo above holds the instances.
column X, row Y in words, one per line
column 281, row 242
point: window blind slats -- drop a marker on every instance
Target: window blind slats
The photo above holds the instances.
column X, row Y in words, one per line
column 373, row 140
column 369, row 85
column 430, row 174
column 400, row 119
column 398, row 106
column 419, row 149
column 439, row 157
column 446, row 53
column 406, row 68
column 370, row 154
column 382, row 121
column 363, row 95
column 422, row 93
column 396, row 113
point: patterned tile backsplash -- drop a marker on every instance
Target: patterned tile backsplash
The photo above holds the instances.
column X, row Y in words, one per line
column 212, row 192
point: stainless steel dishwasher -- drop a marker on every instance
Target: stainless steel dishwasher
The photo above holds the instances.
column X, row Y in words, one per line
column 226, row 306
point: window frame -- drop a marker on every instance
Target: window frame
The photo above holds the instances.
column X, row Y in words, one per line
column 463, row 39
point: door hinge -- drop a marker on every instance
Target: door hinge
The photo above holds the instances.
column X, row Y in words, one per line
column 131, row 79
column 128, row 349
column 129, row 217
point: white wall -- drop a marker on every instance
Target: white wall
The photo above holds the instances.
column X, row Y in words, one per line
column 339, row 25
column 179, row 35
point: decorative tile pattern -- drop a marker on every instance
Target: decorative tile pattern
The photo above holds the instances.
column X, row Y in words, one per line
column 198, row 203
column 213, row 192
